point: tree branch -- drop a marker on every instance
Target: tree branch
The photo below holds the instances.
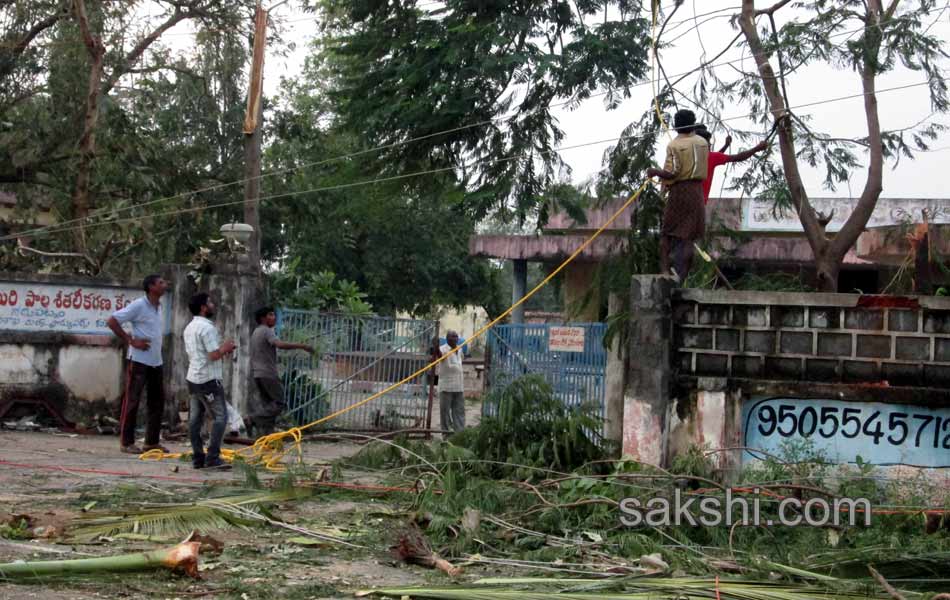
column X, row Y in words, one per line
column 87, row 142
column 772, row 9
column 806, row 214
column 133, row 56
column 18, row 47
column 24, row 248
column 873, row 187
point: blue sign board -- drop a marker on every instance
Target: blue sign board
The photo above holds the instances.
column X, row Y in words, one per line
column 881, row 434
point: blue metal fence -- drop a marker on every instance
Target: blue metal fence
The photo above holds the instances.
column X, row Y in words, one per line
column 577, row 377
column 355, row 357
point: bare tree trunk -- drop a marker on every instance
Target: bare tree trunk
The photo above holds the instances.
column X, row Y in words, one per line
column 814, row 230
column 87, row 142
column 829, row 254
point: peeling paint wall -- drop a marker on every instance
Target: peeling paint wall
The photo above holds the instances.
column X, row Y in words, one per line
column 725, row 368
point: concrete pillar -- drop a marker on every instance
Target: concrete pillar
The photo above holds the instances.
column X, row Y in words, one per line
column 616, row 378
column 647, row 395
column 711, row 405
column 579, row 285
column 519, row 288
column 236, row 291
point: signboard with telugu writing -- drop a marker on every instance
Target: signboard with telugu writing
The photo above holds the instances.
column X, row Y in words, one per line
column 63, row 308
column 840, row 431
column 761, row 215
column 566, row 339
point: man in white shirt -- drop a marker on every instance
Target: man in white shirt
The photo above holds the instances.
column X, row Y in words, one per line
column 451, row 385
column 144, row 372
column 205, row 352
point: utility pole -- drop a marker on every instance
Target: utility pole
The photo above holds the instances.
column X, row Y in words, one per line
column 253, row 138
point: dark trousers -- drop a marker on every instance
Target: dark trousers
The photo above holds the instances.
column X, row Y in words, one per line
column 206, row 398
column 138, row 378
column 272, row 405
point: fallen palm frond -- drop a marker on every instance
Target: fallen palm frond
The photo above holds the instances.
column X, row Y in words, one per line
column 181, row 558
column 249, row 515
column 890, row 563
column 179, row 518
column 632, row 589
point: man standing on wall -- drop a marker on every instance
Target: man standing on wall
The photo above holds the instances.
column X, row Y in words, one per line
column 264, row 346
column 144, row 372
column 451, row 385
column 205, row 352
column 684, row 216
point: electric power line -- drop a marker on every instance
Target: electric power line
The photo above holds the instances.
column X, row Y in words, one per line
column 391, row 145
column 426, row 172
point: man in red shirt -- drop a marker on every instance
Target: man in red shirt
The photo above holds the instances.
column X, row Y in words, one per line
column 717, row 159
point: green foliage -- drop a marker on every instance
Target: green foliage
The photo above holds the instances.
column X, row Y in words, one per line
column 405, row 246
column 534, row 427
column 170, row 129
column 317, row 291
column 400, row 73
column 17, row 528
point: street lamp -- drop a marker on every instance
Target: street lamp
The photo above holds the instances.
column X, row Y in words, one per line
column 237, row 232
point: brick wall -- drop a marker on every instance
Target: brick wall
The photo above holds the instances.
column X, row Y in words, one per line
column 832, row 338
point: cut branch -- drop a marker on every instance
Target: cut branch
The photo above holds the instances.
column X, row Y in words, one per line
column 772, row 9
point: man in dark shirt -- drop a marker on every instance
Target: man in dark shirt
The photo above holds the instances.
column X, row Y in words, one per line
column 264, row 345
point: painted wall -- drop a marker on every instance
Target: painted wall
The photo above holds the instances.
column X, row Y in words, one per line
column 54, row 343
column 844, row 377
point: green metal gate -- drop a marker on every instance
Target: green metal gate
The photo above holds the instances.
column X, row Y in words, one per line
column 356, row 357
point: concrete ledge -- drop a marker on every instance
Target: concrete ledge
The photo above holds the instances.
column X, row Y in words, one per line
column 801, row 298
column 921, row 396
column 70, row 280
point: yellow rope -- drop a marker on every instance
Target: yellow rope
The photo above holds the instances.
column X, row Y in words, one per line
column 270, row 450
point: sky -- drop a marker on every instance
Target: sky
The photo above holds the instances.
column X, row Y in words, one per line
column 922, row 177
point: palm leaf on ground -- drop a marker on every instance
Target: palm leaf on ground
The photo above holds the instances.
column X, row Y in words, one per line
column 178, row 518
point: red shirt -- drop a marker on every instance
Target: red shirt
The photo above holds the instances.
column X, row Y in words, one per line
column 716, row 159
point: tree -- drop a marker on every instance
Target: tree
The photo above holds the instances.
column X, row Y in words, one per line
column 98, row 117
column 406, row 247
column 471, row 86
column 864, row 37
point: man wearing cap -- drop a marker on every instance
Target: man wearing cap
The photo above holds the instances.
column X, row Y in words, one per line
column 684, row 216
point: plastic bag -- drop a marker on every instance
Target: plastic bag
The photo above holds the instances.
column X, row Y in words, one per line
column 235, row 421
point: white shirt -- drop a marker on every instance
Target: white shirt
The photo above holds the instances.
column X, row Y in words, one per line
column 201, row 338
column 146, row 320
column 451, row 374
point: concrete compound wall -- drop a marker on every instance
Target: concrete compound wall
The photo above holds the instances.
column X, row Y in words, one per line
column 58, row 353
column 704, row 362
column 813, row 337
column 69, row 357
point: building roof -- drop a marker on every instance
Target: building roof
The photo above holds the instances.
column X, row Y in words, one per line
column 777, row 236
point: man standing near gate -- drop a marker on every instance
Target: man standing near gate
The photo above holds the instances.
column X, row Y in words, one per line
column 144, row 364
column 264, row 346
column 451, row 385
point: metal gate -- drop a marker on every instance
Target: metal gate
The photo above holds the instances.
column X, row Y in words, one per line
column 576, row 377
column 356, row 357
